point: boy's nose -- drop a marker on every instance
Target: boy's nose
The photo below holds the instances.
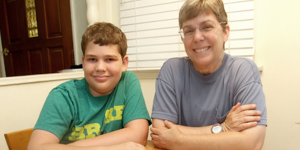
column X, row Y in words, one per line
column 100, row 67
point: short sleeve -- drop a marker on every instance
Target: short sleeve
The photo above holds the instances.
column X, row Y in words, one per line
column 251, row 90
column 253, row 94
column 135, row 107
column 164, row 104
column 57, row 113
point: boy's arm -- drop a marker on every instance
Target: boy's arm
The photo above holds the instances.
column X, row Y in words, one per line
column 135, row 131
column 44, row 140
column 173, row 138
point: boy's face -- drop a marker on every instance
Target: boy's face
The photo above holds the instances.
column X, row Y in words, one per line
column 103, row 67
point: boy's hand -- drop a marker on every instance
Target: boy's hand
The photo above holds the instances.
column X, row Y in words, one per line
column 128, row 146
column 242, row 117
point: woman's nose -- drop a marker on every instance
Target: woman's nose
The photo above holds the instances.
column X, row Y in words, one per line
column 198, row 36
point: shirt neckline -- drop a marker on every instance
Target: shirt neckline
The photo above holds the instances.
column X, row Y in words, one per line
column 211, row 77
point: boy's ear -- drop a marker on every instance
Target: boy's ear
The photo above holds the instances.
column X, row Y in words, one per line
column 82, row 60
column 125, row 62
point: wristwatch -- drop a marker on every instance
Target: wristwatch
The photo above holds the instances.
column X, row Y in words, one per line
column 216, row 128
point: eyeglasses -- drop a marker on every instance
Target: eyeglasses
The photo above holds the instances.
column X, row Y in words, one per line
column 205, row 28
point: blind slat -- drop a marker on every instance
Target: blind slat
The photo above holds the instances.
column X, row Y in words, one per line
column 157, row 25
column 159, row 40
column 246, row 15
column 158, row 32
column 145, row 3
column 157, row 17
column 131, row 50
column 157, row 9
column 238, row 34
column 241, row 25
column 241, row 43
column 128, row 28
column 157, row 48
column 242, row 6
column 159, row 56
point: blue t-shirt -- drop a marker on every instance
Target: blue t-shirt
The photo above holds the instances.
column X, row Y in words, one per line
column 186, row 97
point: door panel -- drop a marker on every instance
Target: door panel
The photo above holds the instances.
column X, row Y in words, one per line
column 36, row 61
column 13, row 22
column 56, row 58
column 52, row 14
column 18, row 60
column 50, row 51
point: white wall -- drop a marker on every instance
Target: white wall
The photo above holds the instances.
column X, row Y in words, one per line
column 103, row 11
column 278, row 50
column 79, row 25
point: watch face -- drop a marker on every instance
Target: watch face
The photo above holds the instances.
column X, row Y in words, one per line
column 217, row 128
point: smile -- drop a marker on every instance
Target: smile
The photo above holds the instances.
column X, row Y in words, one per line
column 101, row 78
column 201, row 50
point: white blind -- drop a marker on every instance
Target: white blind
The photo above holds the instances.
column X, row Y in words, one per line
column 151, row 28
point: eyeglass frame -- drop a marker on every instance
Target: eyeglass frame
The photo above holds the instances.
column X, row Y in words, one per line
column 182, row 34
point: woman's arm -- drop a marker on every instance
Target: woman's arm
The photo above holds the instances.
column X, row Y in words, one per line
column 173, row 138
column 238, row 119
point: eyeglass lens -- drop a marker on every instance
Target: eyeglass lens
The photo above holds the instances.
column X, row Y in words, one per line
column 204, row 27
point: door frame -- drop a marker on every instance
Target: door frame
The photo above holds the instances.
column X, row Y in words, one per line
column 2, row 67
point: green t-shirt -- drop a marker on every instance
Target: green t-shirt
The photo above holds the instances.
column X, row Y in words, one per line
column 72, row 113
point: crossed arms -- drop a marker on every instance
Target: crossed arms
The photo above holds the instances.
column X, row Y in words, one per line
column 245, row 133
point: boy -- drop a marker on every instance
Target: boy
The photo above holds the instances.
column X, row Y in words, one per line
column 104, row 110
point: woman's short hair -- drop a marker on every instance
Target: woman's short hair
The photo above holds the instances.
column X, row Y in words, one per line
column 192, row 8
column 103, row 33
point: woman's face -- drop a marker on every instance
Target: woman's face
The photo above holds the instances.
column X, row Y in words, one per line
column 205, row 46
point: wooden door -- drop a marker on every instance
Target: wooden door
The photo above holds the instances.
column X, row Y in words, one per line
column 40, row 47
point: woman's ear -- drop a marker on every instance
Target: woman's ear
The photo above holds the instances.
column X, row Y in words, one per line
column 125, row 62
column 226, row 33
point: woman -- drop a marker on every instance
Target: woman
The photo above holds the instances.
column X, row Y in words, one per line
column 201, row 94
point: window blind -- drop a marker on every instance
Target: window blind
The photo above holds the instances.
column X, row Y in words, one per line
column 151, row 28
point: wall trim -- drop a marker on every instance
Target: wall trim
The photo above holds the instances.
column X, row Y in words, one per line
column 64, row 75
column 41, row 78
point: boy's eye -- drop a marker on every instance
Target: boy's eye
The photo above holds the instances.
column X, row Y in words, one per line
column 109, row 59
column 92, row 59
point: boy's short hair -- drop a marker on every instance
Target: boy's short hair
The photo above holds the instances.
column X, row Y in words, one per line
column 192, row 8
column 104, row 33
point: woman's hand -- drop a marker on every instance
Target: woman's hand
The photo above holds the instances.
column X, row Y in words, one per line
column 241, row 117
column 166, row 138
